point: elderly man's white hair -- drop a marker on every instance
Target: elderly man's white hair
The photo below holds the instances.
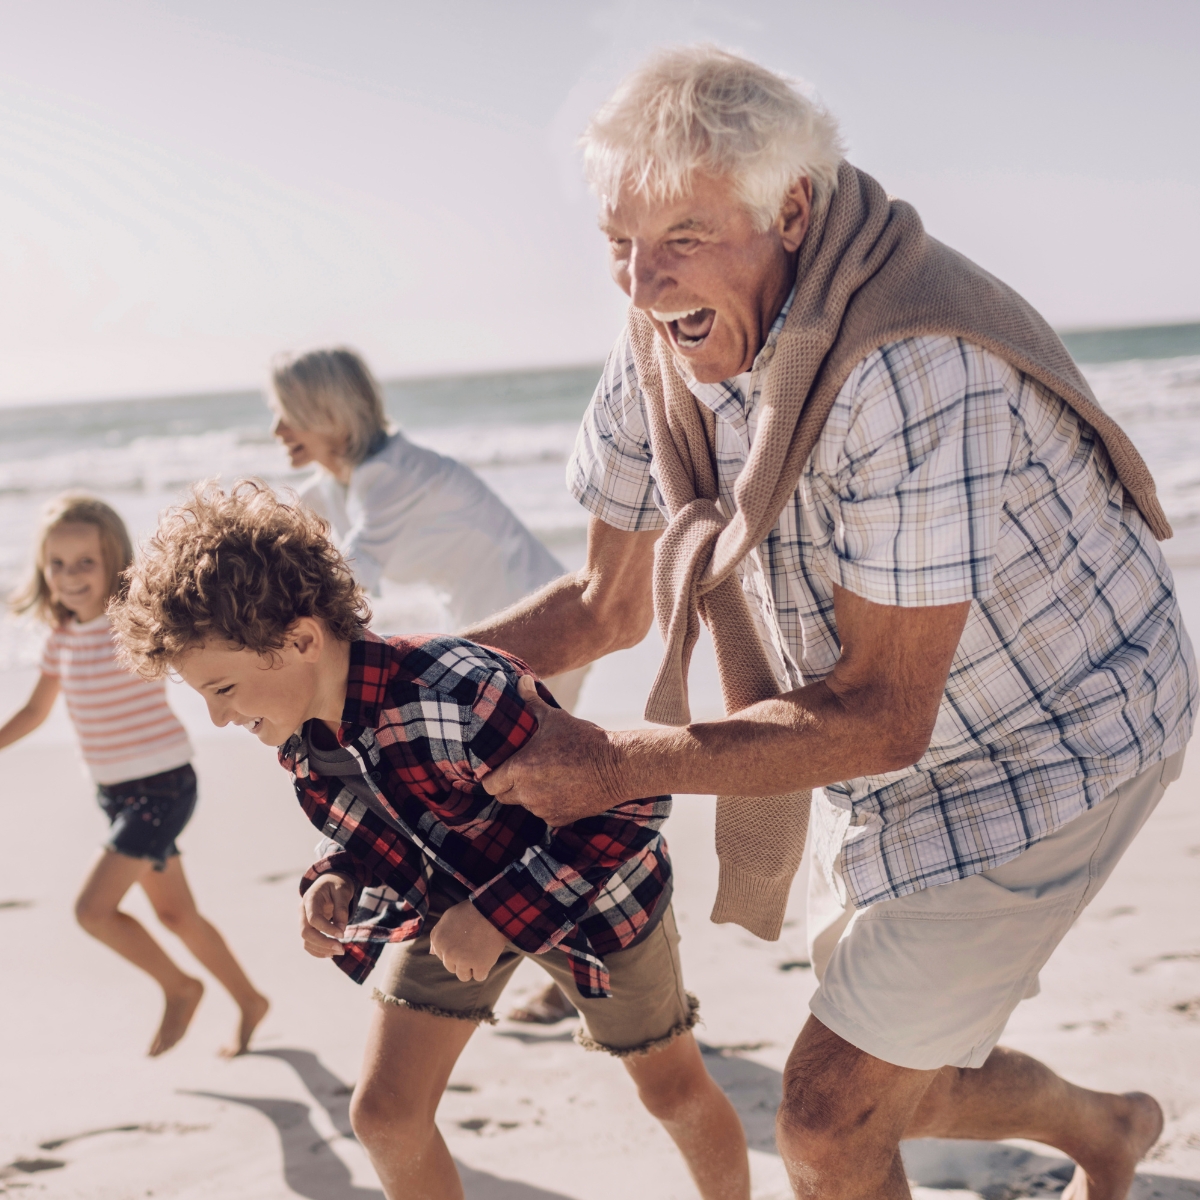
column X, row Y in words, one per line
column 699, row 108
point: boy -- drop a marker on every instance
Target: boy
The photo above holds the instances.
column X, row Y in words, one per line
column 387, row 742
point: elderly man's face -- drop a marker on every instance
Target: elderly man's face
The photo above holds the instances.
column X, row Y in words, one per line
column 711, row 282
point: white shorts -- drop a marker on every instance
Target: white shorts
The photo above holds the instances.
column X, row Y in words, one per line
column 930, row 980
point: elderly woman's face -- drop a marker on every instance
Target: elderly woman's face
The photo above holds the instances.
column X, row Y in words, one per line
column 307, row 446
column 711, row 282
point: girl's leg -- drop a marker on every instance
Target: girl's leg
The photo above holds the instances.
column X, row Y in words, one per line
column 96, row 910
column 676, row 1087
column 168, row 891
column 406, row 1067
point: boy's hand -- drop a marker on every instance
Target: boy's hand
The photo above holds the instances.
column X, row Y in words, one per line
column 466, row 941
column 324, row 911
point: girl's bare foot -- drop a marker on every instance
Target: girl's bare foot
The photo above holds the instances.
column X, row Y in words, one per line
column 177, row 1016
column 253, row 1012
column 1107, row 1174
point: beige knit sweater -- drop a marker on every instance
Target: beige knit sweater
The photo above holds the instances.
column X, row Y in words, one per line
column 868, row 275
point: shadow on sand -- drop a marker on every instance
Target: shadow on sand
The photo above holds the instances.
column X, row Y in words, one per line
column 992, row 1170
column 311, row 1168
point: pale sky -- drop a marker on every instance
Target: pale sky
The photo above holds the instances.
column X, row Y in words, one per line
column 187, row 188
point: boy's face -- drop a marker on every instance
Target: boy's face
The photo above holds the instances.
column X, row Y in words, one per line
column 269, row 695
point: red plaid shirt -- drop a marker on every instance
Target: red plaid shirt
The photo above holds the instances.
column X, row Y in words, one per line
column 427, row 718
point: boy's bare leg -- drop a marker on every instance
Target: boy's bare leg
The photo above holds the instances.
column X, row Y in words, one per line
column 96, row 910
column 844, row 1114
column 406, row 1066
column 168, row 891
column 676, row 1087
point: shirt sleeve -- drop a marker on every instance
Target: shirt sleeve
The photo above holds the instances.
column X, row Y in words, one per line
column 917, row 492
column 539, row 899
column 49, row 663
column 609, row 471
column 312, row 495
column 386, row 514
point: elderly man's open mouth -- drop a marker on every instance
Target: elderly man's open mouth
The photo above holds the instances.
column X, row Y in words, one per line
column 689, row 327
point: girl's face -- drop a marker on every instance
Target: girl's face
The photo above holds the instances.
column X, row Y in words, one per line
column 305, row 446
column 74, row 570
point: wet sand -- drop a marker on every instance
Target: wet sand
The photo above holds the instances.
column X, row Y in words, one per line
column 529, row 1115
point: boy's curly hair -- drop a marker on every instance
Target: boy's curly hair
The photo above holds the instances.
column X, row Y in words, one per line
column 239, row 567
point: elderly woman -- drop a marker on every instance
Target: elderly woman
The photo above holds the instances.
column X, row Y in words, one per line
column 411, row 515
column 400, row 511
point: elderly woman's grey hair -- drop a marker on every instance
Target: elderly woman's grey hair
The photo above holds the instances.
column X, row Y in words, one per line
column 332, row 391
column 699, row 108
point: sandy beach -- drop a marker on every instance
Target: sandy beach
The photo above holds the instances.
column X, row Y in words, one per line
column 529, row 1116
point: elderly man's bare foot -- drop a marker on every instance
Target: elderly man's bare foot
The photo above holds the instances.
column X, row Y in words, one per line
column 253, row 1012
column 177, row 1016
column 1106, row 1171
column 546, row 1008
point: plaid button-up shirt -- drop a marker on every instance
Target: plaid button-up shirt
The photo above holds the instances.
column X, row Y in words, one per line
column 427, row 718
column 944, row 475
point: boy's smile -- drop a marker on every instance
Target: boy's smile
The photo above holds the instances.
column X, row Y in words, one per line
column 271, row 695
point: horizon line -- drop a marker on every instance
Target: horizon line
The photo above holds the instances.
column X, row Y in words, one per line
column 476, row 373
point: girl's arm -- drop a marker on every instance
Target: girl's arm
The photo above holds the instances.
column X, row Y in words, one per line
column 36, row 710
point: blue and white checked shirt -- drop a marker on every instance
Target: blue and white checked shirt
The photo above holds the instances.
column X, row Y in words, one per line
column 944, row 475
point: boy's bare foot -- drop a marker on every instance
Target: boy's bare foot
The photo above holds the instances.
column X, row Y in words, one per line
column 1106, row 1173
column 252, row 1014
column 177, row 1016
column 546, row 1008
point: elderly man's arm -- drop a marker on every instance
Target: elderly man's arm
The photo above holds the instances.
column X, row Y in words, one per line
column 605, row 606
column 874, row 713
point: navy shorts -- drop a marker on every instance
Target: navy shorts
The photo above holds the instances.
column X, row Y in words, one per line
column 147, row 815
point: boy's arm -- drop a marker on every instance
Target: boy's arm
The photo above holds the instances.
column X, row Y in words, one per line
column 37, row 709
column 539, row 899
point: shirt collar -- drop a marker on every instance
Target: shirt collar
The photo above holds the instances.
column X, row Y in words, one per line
column 373, row 665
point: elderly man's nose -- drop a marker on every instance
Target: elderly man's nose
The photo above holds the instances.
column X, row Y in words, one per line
column 646, row 280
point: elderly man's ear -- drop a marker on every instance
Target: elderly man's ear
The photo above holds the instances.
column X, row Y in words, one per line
column 792, row 221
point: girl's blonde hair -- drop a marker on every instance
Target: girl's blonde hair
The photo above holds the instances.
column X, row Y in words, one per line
column 73, row 508
column 332, row 391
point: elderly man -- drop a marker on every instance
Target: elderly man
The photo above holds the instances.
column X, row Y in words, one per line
column 929, row 564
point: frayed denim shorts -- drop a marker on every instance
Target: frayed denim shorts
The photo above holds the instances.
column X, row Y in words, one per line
column 147, row 815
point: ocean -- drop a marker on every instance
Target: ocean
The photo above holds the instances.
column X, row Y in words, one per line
column 515, row 428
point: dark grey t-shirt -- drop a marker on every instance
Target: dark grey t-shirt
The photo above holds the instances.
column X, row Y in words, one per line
column 332, row 761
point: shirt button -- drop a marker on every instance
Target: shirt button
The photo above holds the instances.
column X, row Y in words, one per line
column 377, row 775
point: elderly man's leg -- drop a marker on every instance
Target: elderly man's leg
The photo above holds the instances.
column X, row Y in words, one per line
column 1013, row 1095
column 845, row 1113
column 842, row 1118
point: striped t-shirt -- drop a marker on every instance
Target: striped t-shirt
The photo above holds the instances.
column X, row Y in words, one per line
column 126, row 728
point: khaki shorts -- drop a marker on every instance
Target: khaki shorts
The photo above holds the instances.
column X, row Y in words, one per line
column 931, row 979
column 647, row 1009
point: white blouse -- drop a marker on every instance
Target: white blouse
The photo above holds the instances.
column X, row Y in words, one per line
column 412, row 515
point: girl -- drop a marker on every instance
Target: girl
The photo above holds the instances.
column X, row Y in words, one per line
column 137, row 752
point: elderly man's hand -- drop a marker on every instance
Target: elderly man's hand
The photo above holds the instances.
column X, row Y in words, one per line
column 566, row 771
